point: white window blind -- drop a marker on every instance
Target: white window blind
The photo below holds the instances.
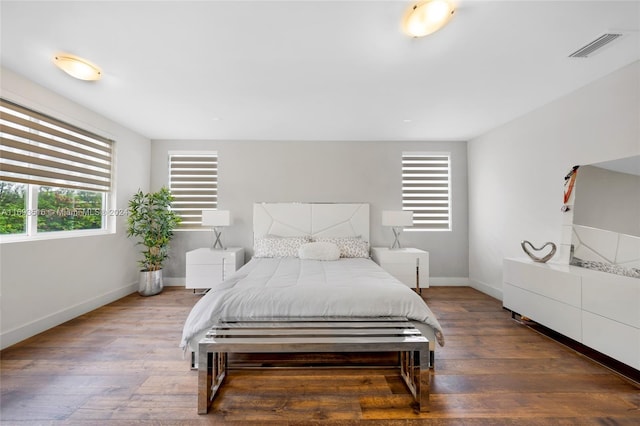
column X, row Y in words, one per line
column 193, row 180
column 41, row 150
column 426, row 190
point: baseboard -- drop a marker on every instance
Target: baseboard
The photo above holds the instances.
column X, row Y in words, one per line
column 18, row 334
column 496, row 293
column 449, row 281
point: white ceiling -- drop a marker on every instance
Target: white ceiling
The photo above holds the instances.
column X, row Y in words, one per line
column 315, row 70
column 630, row 165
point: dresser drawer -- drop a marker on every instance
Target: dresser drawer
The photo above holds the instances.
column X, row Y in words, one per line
column 204, row 256
column 619, row 341
column 558, row 316
column 204, row 276
column 544, row 280
column 206, row 267
column 612, row 296
column 404, row 264
column 403, row 273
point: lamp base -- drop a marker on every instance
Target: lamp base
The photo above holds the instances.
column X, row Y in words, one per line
column 217, row 243
column 396, row 238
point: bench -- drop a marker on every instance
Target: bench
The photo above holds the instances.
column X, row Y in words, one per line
column 328, row 335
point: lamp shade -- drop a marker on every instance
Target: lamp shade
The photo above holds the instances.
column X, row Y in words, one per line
column 77, row 67
column 397, row 218
column 426, row 17
column 211, row 217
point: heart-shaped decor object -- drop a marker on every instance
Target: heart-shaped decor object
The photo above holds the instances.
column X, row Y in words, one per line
column 535, row 258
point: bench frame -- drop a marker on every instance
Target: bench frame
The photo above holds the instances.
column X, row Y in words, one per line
column 329, row 335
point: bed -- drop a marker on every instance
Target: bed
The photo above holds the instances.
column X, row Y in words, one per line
column 276, row 282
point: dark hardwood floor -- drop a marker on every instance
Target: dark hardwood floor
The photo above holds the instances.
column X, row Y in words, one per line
column 121, row 365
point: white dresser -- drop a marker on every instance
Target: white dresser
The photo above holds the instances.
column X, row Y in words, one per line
column 207, row 267
column 598, row 309
column 409, row 265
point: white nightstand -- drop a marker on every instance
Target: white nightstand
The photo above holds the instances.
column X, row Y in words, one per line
column 409, row 265
column 207, row 267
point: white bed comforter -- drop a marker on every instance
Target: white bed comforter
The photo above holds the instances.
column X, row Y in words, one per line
column 291, row 287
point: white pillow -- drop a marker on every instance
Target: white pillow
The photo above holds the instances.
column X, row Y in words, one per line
column 349, row 246
column 278, row 246
column 319, row 251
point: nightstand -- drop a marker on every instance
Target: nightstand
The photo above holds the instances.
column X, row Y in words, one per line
column 409, row 265
column 207, row 267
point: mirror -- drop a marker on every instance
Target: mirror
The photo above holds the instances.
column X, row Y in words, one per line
column 606, row 217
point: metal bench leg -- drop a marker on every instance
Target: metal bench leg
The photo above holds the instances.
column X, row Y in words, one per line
column 212, row 370
column 220, row 372
column 423, row 382
column 194, row 364
column 205, row 367
column 414, row 369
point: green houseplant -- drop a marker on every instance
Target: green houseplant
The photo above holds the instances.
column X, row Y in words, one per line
column 151, row 219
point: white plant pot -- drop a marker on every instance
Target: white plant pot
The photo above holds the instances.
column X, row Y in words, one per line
column 150, row 283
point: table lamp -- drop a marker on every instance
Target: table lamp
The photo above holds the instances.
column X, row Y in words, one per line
column 216, row 219
column 397, row 219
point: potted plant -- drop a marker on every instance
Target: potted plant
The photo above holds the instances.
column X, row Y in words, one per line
column 151, row 219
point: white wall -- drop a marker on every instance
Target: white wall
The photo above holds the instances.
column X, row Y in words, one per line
column 516, row 172
column 254, row 171
column 44, row 283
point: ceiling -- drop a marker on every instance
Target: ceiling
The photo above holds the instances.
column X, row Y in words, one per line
column 629, row 165
column 315, row 70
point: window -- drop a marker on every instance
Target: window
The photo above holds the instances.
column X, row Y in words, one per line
column 13, row 204
column 53, row 176
column 193, row 180
column 426, row 190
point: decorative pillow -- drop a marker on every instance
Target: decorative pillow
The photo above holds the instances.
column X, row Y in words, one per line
column 349, row 246
column 319, row 251
column 278, row 246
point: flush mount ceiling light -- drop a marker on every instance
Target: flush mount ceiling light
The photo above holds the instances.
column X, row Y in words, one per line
column 77, row 67
column 426, row 17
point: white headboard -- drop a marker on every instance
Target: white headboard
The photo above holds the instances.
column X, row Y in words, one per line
column 311, row 219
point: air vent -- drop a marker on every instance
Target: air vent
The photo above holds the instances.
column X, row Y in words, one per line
column 588, row 49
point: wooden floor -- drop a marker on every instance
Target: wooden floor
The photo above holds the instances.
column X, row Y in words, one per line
column 120, row 365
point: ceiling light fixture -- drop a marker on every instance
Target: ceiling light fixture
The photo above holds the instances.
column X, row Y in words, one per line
column 77, row 67
column 426, row 17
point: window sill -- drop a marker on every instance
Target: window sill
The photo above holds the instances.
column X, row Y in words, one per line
column 5, row 239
